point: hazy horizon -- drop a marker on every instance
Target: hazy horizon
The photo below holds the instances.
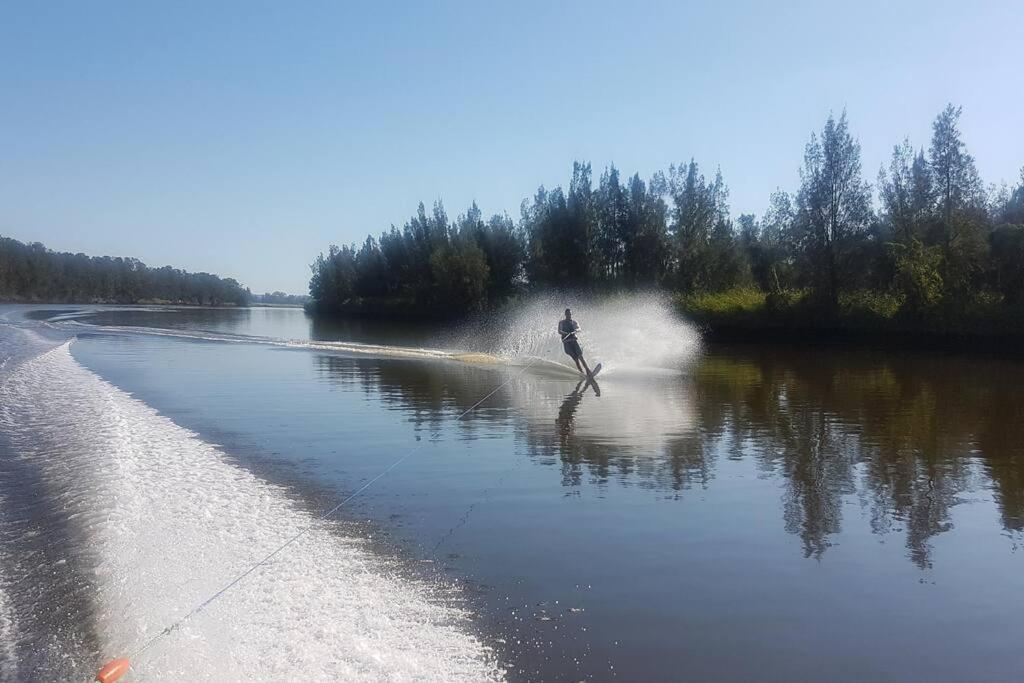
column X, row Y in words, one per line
column 242, row 141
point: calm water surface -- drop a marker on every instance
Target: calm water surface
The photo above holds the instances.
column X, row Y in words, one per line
column 769, row 513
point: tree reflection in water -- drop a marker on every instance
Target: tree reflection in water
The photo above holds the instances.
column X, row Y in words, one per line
column 908, row 436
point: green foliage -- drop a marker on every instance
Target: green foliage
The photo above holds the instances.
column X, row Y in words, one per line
column 833, row 209
column 1012, row 211
column 1008, row 262
column 918, row 275
column 940, row 254
column 31, row 272
column 906, row 192
column 461, row 273
column 332, row 284
column 865, row 308
column 707, row 256
column 430, row 267
column 562, row 233
column 503, row 248
column 739, row 301
column 279, row 298
column 955, row 179
column 751, row 309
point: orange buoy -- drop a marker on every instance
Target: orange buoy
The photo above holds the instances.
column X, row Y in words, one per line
column 112, row 671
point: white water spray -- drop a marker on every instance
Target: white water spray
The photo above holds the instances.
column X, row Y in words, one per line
column 624, row 332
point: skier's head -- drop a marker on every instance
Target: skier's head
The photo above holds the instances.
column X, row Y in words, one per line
column 568, row 314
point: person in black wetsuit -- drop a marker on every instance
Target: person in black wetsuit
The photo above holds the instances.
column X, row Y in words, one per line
column 567, row 328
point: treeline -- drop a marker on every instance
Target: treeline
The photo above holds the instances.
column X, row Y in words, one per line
column 281, row 299
column 33, row 273
column 936, row 244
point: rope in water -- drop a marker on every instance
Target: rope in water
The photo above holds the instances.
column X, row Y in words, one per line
column 240, row 577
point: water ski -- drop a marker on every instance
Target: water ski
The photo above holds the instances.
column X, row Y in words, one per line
column 597, row 369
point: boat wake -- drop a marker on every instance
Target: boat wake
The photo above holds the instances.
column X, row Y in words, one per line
column 536, row 364
column 628, row 334
column 166, row 520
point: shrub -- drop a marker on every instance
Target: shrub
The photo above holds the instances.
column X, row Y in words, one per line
column 918, row 275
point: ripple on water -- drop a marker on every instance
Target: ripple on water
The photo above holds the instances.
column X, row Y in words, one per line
column 169, row 520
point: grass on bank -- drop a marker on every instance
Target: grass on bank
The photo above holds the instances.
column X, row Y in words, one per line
column 749, row 310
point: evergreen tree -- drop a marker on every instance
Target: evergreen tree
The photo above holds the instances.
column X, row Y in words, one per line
column 502, row 246
column 698, row 208
column 938, row 239
column 460, row 272
column 1007, row 242
column 777, row 231
column 957, row 184
column 833, row 207
column 333, row 282
column 612, row 226
column 960, row 208
column 581, row 235
column 505, row 251
column 31, row 272
column 371, row 270
column 645, row 238
column 905, row 192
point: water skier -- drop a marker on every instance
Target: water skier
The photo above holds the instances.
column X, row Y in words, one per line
column 567, row 329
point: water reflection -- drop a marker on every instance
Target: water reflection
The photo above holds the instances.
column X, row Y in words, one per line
column 908, row 435
column 225, row 320
column 372, row 331
column 903, row 438
column 567, row 412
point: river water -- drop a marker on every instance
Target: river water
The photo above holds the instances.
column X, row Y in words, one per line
column 759, row 512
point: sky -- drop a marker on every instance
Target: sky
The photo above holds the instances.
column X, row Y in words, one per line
column 244, row 138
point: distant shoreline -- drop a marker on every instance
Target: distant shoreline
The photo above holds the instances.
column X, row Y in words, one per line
column 145, row 302
column 262, row 305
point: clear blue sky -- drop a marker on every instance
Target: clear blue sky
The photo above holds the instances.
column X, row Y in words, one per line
column 243, row 138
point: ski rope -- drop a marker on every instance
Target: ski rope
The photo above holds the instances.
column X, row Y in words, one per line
column 323, row 516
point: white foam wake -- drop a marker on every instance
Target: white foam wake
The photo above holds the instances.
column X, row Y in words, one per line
column 536, row 364
column 170, row 520
column 8, row 635
column 627, row 333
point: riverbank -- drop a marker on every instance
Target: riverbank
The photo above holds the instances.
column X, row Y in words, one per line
column 751, row 315
column 114, row 302
column 861, row 318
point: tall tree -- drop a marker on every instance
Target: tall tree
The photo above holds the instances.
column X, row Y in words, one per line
column 960, row 207
column 905, row 192
column 777, row 229
column 754, row 249
column 612, row 226
column 560, row 232
column 699, row 208
column 579, row 226
column 460, row 275
column 646, row 233
column 957, row 184
column 833, row 206
column 1007, row 241
column 333, row 281
column 542, row 221
column 503, row 248
column 371, row 270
